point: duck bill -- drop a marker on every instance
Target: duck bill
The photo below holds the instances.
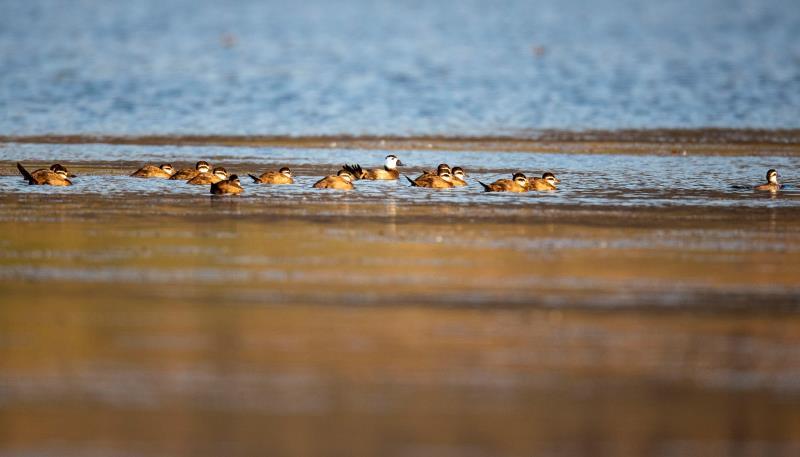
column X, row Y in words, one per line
column 400, row 163
column 70, row 175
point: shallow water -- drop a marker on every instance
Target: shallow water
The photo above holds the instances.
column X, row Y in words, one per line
column 399, row 68
column 632, row 312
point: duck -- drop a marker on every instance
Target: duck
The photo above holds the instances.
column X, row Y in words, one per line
column 188, row 173
column 230, row 186
column 219, row 174
column 442, row 180
column 517, row 183
column 548, row 181
column 772, row 183
column 458, row 177
column 442, row 167
column 388, row 172
column 56, row 175
column 343, row 180
column 165, row 171
column 282, row 176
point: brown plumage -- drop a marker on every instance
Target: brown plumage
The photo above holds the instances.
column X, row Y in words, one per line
column 342, row 181
column 388, row 172
column 188, row 173
column 230, row 186
column 518, row 183
column 772, row 184
column 441, row 181
column 458, row 177
column 282, row 176
column 220, row 174
column 164, row 171
column 548, row 181
column 57, row 175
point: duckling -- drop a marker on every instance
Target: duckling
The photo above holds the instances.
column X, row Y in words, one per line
column 444, row 180
column 164, row 171
column 188, row 173
column 229, row 186
column 518, row 183
column 282, row 176
column 388, row 172
column 548, row 181
column 772, row 184
column 458, row 177
column 57, row 175
column 342, row 181
column 219, row 174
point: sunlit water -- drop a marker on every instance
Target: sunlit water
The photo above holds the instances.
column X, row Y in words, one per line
column 386, row 67
column 604, row 180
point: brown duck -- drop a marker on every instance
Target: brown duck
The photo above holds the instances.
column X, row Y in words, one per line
column 219, row 174
column 165, row 171
column 341, row 181
column 230, row 186
column 56, row 175
column 548, row 181
column 188, row 173
column 282, row 176
column 772, row 183
column 518, row 183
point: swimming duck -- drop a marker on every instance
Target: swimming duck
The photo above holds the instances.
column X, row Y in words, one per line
column 442, row 167
column 389, row 170
column 229, row 186
column 458, row 177
column 219, row 174
column 772, row 182
column 548, row 181
column 282, row 176
column 164, row 170
column 518, row 183
column 443, row 180
column 56, row 175
column 188, row 173
column 342, row 181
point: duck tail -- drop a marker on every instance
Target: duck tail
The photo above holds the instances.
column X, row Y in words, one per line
column 24, row 172
column 255, row 178
column 486, row 188
column 354, row 169
column 413, row 184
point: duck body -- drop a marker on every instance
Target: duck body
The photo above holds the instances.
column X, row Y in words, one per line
column 342, row 181
column 230, row 186
column 186, row 174
column 547, row 182
column 518, row 183
column 282, row 176
column 57, row 175
column 388, row 172
column 443, row 181
column 164, row 171
column 220, row 174
column 772, row 183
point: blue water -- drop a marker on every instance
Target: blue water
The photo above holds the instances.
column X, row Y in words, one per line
column 410, row 67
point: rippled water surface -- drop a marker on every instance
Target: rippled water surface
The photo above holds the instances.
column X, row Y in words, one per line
column 388, row 67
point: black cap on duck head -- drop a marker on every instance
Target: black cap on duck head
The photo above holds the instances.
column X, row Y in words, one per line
column 458, row 171
column 166, row 167
column 233, row 178
column 202, row 164
column 519, row 176
column 772, row 175
column 57, row 167
column 285, row 171
column 221, row 172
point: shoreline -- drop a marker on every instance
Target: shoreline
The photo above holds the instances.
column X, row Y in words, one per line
column 731, row 142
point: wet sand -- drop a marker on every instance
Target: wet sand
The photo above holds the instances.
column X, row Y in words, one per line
column 164, row 321
column 714, row 141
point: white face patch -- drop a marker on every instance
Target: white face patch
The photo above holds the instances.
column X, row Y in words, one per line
column 62, row 173
column 221, row 175
column 773, row 178
column 551, row 180
column 203, row 169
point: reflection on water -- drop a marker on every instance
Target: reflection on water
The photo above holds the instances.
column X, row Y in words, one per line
column 632, row 312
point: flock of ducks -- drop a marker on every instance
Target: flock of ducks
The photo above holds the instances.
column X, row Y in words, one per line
column 222, row 183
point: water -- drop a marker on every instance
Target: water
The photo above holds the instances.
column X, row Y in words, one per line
column 410, row 67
